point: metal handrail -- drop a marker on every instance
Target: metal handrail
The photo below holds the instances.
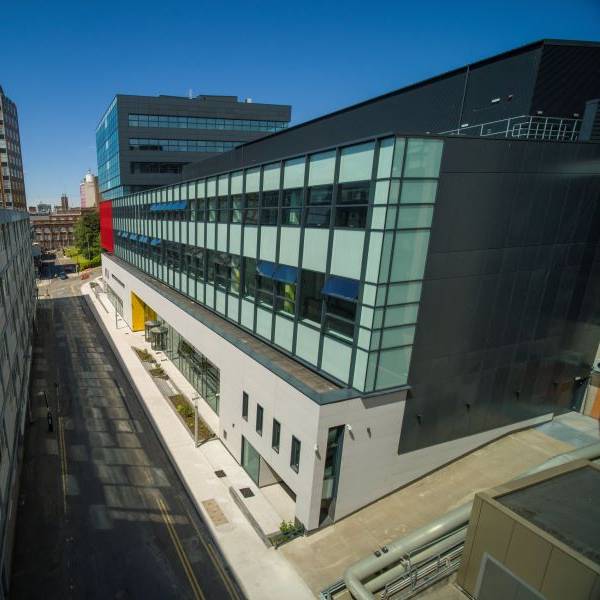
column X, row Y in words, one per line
column 422, row 574
column 524, row 127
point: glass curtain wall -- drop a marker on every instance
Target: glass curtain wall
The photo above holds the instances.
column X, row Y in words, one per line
column 320, row 255
column 202, row 375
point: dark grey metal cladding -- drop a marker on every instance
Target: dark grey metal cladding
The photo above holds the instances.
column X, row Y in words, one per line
column 509, row 312
column 568, row 76
column 443, row 103
column 500, row 89
column 222, row 107
column 432, row 109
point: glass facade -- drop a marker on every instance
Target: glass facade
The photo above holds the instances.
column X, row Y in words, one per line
column 165, row 145
column 183, row 122
column 202, row 375
column 107, row 152
column 321, row 255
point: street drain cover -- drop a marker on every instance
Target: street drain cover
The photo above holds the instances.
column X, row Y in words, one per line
column 246, row 492
column 220, row 473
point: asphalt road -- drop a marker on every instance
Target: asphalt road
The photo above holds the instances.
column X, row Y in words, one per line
column 102, row 513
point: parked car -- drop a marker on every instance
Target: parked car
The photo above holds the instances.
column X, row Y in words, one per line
column 64, row 276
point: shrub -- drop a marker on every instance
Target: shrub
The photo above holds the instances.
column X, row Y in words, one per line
column 159, row 372
column 144, row 355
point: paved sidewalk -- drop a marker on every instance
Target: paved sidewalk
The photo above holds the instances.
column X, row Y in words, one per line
column 262, row 572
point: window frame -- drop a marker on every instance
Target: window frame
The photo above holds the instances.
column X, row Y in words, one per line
column 295, row 451
column 276, row 436
column 245, row 405
column 260, row 416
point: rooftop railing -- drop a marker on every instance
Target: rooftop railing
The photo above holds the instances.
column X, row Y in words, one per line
column 550, row 129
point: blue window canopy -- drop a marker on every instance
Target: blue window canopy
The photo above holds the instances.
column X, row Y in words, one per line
column 162, row 206
column 341, row 287
column 286, row 274
column 266, row 268
column 155, row 242
column 133, row 236
column 143, row 239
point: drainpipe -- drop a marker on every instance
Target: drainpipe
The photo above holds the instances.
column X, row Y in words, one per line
column 454, row 521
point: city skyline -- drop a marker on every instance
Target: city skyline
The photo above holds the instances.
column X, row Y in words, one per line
column 58, row 135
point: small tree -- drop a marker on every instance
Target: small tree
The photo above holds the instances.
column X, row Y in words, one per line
column 87, row 234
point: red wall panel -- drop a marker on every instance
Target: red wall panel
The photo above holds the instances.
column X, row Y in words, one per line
column 106, row 227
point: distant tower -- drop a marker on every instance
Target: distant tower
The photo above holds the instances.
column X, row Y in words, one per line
column 89, row 195
column 64, row 202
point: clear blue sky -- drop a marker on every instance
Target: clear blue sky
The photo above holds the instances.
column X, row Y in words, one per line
column 62, row 62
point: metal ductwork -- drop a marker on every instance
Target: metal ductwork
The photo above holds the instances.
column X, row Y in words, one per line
column 369, row 575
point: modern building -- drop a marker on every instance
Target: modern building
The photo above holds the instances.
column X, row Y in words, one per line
column 56, row 230
column 89, row 193
column 12, row 183
column 536, row 538
column 361, row 301
column 17, row 311
column 144, row 141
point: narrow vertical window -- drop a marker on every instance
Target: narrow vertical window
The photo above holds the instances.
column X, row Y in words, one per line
column 276, row 435
column 259, row 419
column 244, row 406
column 295, row 454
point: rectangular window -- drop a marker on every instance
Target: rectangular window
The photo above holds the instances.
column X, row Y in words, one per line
column 251, row 209
column 223, row 206
column 234, row 274
column 285, row 297
column 259, row 419
column 269, row 206
column 222, row 270
column 264, row 287
column 295, row 454
column 212, row 210
column 210, row 266
column 319, row 206
column 276, row 435
column 244, row 406
column 311, row 297
column 351, row 204
column 291, row 212
column 340, row 316
column 236, row 213
column 249, row 277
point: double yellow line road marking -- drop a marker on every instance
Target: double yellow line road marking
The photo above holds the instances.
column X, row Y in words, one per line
column 214, row 558
column 187, row 567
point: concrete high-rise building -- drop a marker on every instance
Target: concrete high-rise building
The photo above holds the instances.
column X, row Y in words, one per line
column 144, row 142
column 12, row 183
column 364, row 297
column 89, row 194
column 17, row 310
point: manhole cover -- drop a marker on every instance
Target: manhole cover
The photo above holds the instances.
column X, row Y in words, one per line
column 246, row 492
column 220, row 473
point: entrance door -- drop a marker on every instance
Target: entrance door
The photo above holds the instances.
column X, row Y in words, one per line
column 250, row 460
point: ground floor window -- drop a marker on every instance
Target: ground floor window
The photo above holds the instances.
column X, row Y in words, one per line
column 250, row 460
column 200, row 372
